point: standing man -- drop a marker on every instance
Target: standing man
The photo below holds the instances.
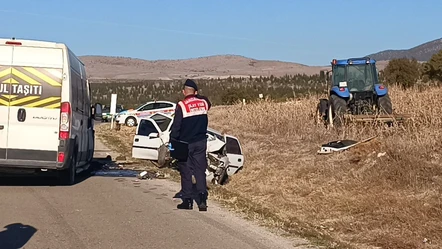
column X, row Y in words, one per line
column 190, row 126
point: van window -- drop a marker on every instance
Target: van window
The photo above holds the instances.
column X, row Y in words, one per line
column 76, row 86
column 84, row 99
column 75, row 64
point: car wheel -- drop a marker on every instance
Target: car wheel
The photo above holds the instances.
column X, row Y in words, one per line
column 163, row 156
column 223, row 178
column 131, row 121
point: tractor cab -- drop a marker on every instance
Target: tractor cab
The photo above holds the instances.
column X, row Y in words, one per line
column 356, row 75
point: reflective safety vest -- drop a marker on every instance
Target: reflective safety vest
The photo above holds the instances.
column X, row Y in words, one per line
column 190, row 121
column 193, row 106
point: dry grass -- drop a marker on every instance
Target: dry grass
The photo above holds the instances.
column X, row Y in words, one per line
column 354, row 197
column 392, row 201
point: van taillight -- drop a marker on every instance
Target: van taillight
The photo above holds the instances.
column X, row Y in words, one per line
column 65, row 116
column 12, row 43
column 60, row 157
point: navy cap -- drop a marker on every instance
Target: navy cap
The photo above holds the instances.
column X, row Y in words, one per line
column 191, row 83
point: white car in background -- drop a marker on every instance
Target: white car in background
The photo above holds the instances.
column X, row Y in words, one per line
column 224, row 153
column 131, row 117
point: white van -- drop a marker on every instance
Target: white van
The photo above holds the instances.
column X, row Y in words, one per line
column 46, row 119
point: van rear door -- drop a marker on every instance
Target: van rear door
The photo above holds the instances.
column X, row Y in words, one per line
column 35, row 103
column 5, row 77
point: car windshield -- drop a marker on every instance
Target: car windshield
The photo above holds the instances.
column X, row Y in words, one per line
column 359, row 77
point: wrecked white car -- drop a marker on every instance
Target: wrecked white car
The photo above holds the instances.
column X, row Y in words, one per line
column 224, row 152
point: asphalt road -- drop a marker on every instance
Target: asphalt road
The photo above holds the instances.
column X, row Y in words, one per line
column 117, row 212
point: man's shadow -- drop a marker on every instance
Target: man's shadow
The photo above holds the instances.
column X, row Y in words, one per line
column 16, row 235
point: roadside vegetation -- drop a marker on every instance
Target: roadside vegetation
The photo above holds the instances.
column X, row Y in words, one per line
column 383, row 194
column 132, row 94
column 404, row 73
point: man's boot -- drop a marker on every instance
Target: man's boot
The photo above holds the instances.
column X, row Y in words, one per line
column 202, row 206
column 186, row 204
column 178, row 195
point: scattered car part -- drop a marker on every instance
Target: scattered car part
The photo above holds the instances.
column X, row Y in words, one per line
column 340, row 145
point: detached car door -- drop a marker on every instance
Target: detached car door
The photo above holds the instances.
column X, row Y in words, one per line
column 146, row 140
column 234, row 153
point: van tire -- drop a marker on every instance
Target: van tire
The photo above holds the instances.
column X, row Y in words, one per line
column 68, row 176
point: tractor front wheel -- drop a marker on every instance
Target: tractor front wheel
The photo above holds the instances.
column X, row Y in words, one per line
column 384, row 105
column 337, row 109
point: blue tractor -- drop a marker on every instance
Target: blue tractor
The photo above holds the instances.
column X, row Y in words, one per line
column 355, row 91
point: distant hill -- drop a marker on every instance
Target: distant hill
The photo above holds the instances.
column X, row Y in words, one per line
column 222, row 66
column 422, row 52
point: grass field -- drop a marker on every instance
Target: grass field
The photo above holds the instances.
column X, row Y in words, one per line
column 356, row 197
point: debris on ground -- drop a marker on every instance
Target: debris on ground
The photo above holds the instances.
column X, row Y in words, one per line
column 381, row 154
column 340, row 145
column 149, row 175
column 144, row 175
column 115, row 173
column 111, row 166
column 161, row 175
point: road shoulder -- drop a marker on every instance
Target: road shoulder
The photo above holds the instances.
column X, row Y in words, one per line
column 216, row 213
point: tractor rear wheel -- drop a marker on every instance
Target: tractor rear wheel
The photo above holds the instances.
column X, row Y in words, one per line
column 337, row 109
column 384, row 105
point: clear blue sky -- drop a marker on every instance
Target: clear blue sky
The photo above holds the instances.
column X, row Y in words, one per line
column 311, row 32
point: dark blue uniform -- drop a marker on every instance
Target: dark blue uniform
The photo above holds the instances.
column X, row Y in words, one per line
column 190, row 126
